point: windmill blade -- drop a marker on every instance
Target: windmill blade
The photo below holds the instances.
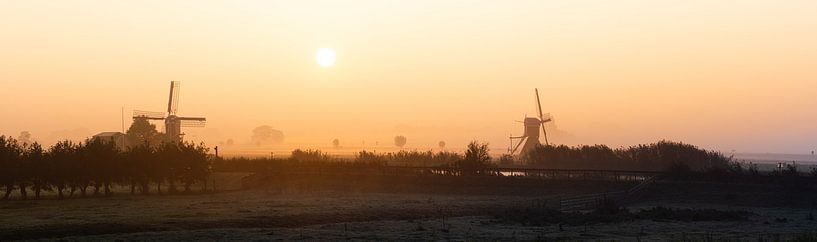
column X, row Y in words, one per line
column 524, row 138
column 173, row 100
column 538, row 104
column 545, row 133
column 148, row 114
column 192, row 118
column 546, row 118
column 192, row 123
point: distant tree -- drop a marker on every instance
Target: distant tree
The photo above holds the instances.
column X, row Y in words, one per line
column 266, row 135
column 400, row 141
column 230, row 142
column 336, row 143
column 143, row 132
column 441, row 144
column 24, row 138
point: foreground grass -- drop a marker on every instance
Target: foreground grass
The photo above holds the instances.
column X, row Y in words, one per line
column 610, row 213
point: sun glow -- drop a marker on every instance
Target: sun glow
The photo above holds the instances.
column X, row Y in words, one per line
column 325, row 57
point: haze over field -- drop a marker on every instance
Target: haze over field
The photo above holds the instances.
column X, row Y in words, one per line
column 724, row 75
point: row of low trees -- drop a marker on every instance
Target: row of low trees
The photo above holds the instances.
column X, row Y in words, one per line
column 475, row 158
column 68, row 167
column 660, row 156
column 410, row 158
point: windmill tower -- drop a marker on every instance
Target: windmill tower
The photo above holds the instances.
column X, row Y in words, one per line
column 530, row 138
column 173, row 123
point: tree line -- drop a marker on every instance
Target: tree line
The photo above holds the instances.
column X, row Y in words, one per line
column 475, row 158
column 67, row 167
column 659, row 156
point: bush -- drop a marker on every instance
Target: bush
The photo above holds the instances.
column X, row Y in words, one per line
column 476, row 160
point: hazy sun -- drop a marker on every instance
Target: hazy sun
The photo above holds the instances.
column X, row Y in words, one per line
column 325, row 57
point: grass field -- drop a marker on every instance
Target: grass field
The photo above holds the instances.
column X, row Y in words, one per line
column 328, row 213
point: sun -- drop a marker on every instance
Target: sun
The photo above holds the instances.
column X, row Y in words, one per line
column 325, row 57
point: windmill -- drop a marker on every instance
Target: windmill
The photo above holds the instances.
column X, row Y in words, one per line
column 173, row 123
column 531, row 136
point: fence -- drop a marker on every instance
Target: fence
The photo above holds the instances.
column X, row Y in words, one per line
column 590, row 201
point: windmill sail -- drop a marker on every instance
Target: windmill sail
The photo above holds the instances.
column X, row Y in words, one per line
column 541, row 116
column 148, row 114
column 173, row 100
column 172, row 123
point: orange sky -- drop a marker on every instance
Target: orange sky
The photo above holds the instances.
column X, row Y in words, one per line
column 727, row 75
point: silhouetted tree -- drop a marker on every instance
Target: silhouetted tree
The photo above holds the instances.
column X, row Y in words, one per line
column 99, row 164
column 195, row 164
column 103, row 161
column 59, row 159
column 80, row 169
column 336, row 143
column 141, row 131
column 35, row 169
column 476, row 159
column 169, row 156
column 11, row 165
column 138, row 166
column 266, row 135
column 441, row 144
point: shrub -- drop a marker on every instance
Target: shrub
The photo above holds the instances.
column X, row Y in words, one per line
column 476, row 160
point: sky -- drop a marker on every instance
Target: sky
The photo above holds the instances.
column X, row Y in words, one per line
column 725, row 75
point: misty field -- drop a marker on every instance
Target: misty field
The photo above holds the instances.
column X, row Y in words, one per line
column 331, row 213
